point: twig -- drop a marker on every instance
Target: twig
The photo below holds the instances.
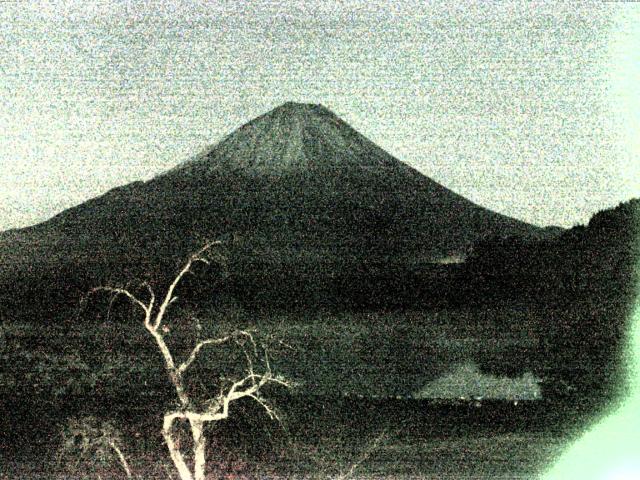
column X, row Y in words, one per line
column 367, row 453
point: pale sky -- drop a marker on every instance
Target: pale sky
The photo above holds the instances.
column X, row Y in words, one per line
column 531, row 108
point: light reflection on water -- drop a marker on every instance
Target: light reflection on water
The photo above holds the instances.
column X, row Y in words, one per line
column 467, row 381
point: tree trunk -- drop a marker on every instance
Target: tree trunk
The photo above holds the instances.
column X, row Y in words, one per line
column 199, row 448
column 174, row 451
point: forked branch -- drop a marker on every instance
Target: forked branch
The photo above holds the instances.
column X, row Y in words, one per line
column 218, row 409
column 169, row 297
column 210, row 341
column 121, row 291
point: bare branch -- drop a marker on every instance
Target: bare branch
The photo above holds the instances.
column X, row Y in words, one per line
column 202, row 259
column 286, row 345
column 169, row 298
column 122, row 291
column 266, row 361
column 236, row 393
column 246, row 354
column 152, row 296
column 210, row 341
column 262, row 380
column 273, row 415
column 194, row 353
column 249, row 362
column 111, row 302
column 230, row 390
column 365, row 455
column 253, row 342
column 279, row 381
column 121, row 458
column 218, row 408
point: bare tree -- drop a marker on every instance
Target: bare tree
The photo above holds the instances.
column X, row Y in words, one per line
column 248, row 385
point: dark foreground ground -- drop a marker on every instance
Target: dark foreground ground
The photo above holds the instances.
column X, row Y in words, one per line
column 110, row 371
column 319, row 437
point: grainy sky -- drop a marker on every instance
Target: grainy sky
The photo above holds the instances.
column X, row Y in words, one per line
column 528, row 108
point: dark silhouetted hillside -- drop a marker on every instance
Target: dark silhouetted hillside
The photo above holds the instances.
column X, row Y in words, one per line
column 585, row 280
column 312, row 206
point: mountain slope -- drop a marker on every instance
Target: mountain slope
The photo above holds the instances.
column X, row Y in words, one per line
column 299, row 189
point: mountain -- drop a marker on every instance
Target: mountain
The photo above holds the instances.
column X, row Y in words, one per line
column 304, row 196
column 315, row 213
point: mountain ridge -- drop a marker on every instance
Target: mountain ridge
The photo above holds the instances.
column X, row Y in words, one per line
column 300, row 188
